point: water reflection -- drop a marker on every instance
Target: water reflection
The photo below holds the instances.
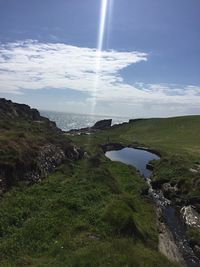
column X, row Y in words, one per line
column 135, row 157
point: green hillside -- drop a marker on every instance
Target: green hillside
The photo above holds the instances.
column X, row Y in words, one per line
column 93, row 212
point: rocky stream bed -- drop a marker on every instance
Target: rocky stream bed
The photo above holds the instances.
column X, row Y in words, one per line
column 173, row 221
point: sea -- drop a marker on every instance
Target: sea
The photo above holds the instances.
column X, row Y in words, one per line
column 68, row 121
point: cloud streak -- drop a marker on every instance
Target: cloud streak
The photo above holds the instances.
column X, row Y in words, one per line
column 33, row 65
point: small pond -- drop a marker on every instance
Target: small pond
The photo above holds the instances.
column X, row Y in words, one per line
column 136, row 157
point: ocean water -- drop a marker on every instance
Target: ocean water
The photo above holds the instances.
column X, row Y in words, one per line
column 68, row 121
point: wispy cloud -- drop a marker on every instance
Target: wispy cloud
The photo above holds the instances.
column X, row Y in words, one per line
column 33, row 65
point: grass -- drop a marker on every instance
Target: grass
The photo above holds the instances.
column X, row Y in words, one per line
column 20, row 142
column 176, row 139
column 169, row 135
column 92, row 212
column 80, row 216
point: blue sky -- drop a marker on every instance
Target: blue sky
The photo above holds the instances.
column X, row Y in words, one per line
column 149, row 64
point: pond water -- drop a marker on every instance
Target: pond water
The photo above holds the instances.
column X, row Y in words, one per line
column 136, row 157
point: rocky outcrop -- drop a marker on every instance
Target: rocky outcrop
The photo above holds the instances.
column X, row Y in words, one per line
column 49, row 157
column 99, row 125
column 102, row 125
column 190, row 216
column 10, row 110
column 31, row 146
column 14, row 111
column 167, row 245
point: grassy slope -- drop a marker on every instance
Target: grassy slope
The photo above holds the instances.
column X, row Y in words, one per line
column 80, row 216
column 178, row 141
column 20, row 143
column 91, row 213
column 171, row 135
column 21, row 138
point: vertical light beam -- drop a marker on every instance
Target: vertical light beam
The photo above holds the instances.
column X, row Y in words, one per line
column 102, row 23
column 103, row 14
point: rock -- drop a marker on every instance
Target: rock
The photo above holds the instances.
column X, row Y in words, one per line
column 36, row 151
column 102, row 125
column 81, row 131
column 10, row 110
column 168, row 188
column 190, row 216
column 193, row 170
column 50, row 156
column 13, row 111
column 167, row 245
column 99, row 125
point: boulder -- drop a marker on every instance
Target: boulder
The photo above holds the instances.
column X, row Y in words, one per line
column 190, row 216
column 169, row 188
column 49, row 157
column 103, row 124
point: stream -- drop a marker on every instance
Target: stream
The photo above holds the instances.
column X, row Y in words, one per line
column 140, row 158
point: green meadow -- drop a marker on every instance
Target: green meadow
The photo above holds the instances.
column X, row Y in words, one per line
column 94, row 212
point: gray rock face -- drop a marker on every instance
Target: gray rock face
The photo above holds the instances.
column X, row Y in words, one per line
column 190, row 216
column 168, row 188
column 167, row 244
column 11, row 110
column 99, row 125
column 103, row 124
column 49, row 157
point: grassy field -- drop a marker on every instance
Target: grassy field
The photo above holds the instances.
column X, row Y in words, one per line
column 92, row 212
column 176, row 139
column 169, row 135
column 80, row 216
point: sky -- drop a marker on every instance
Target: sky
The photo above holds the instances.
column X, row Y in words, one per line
column 136, row 58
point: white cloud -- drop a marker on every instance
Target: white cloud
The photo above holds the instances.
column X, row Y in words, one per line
column 32, row 65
